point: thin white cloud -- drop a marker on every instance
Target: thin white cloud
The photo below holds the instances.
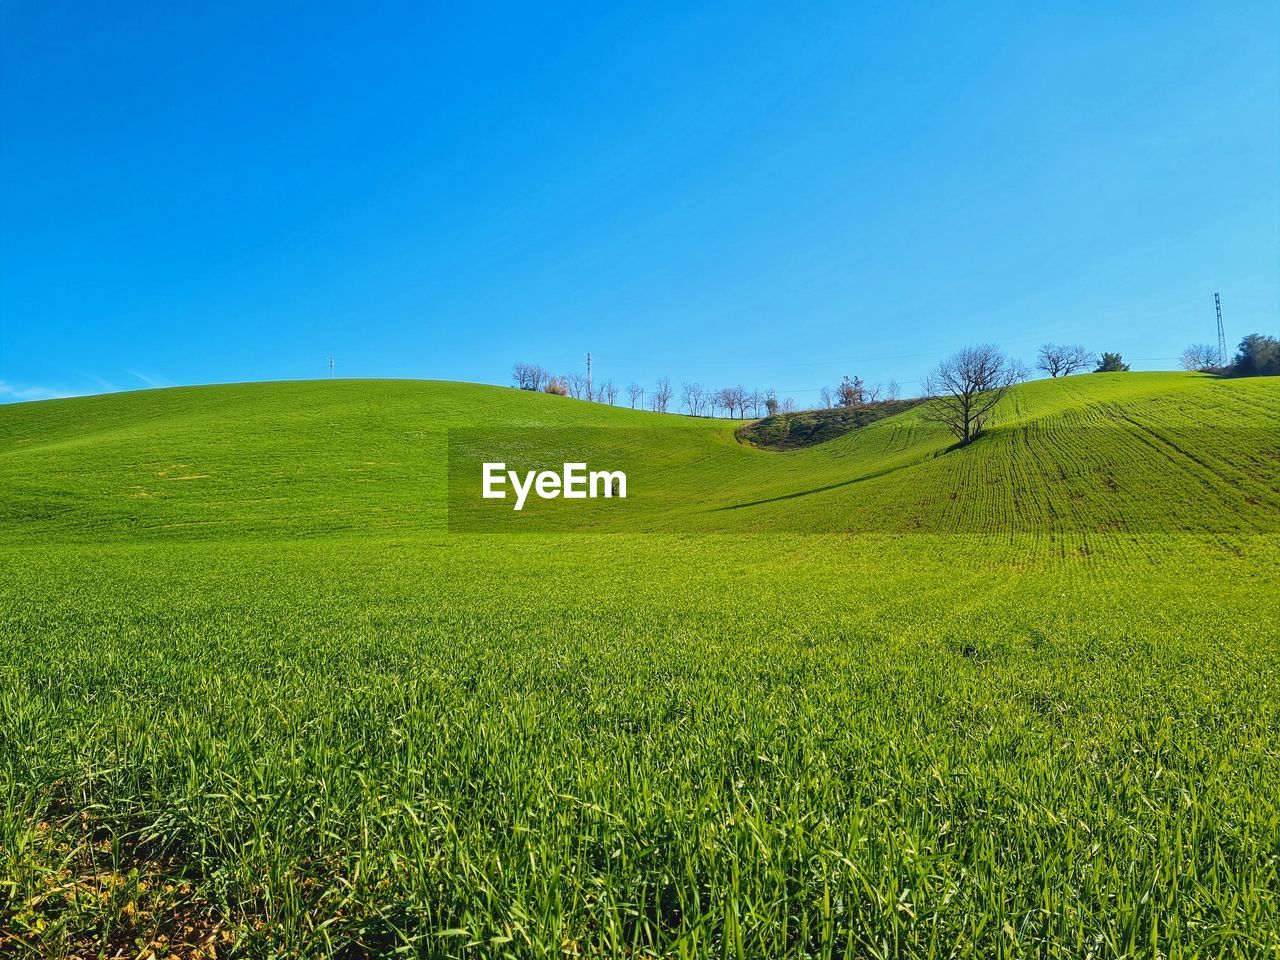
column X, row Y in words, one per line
column 17, row 393
column 22, row 392
column 150, row 381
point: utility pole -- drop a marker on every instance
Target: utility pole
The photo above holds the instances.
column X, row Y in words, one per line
column 331, row 368
column 1222, row 336
column 589, row 396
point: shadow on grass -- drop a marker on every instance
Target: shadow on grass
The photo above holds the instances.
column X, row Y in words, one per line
column 958, row 445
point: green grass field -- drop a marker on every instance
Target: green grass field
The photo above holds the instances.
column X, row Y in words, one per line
column 263, row 693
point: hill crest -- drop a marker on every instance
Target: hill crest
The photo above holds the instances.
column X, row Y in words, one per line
column 314, row 458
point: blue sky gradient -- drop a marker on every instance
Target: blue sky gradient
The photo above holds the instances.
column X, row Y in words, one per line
column 765, row 194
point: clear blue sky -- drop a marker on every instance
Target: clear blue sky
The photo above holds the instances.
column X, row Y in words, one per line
column 767, row 194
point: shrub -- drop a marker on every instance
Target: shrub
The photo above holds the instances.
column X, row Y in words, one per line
column 1257, row 356
column 1111, row 363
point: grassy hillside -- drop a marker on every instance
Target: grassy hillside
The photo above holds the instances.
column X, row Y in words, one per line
column 878, row 697
column 807, row 428
column 1136, row 452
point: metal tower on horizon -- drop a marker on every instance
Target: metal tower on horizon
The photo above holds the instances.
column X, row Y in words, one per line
column 589, row 396
column 1222, row 336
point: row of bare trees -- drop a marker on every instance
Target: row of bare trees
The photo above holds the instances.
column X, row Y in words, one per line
column 659, row 398
column 531, row 376
column 856, row 392
column 733, row 402
column 963, row 389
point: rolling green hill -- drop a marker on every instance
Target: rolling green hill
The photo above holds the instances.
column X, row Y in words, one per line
column 1097, row 453
column 273, row 684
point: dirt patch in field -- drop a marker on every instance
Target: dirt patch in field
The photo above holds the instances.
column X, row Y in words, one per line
column 79, row 893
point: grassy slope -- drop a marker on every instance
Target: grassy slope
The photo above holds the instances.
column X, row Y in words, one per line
column 282, row 684
column 1140, row 452
column 807, row 428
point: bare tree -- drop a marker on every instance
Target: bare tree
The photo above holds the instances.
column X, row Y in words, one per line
column 607, row 393
column 529, row 376
column 1200, row 356
column 557, row 386
column 576, row 383
column 728, row 400
column 789, row 405
column 692, row 395
column 636, row 393
column 771, row 402
column 892, row 390
column 873, row 393
column 965, row 386
column 711, row 403
column 662, row 395
column 824, row 396
column 754, row 399
column 851, row 393
column 1060, row 360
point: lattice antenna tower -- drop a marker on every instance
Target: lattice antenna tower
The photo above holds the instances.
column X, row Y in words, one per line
column 1222, row 336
